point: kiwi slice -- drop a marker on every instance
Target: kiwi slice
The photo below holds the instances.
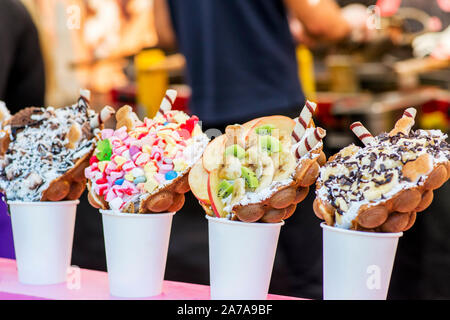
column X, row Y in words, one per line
column 265, row 129
column 236, row 151
column 225, row 189
column 250, row 178
column 269, row 144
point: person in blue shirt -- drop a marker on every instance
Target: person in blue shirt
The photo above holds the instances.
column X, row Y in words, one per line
column 240, row 55
column 241, row 64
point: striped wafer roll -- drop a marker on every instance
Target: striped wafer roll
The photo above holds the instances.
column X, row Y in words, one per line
column 410, row 112
column 168, row 101
column 85, row 94
column 405, row 123
column 302, row 122
column 106, row 113
column 310, row 141
column 85, row 97
column 362, row 133
column 102, row 117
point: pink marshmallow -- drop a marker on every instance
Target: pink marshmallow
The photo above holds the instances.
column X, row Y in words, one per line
column 117, row 190
column 128, row 165
column 148, row 140
column 110, row 167
column 110, row 196
column 129, row 140
column 135, row 156
column 148, row 122
column 121, row 133
column 97, row 175
column 161, row 144
column 100, row 189
column 94, row 166
column 129, row 187
column 120, row 150
column 116, row 175
column 164, row 168
column 107, row 133
column 142, row 159
column 88, row 173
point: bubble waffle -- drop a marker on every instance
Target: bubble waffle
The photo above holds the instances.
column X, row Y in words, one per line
column 261, row 170
column 48, row 150
column 382, row 186
column 5, row 115
column 143, row 166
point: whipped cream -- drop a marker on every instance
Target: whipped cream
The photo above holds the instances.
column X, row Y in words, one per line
column 37, row 154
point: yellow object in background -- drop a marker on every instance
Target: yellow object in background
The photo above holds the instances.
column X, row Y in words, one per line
column 152, row 81
column 305, row 63
column 434, row 120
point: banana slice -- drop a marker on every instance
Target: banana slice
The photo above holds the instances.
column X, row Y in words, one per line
column 231, row 169
column 238, row 190
column 375, row 191
column 276, row 161
column 286, row 141
column 286, row 167
column 268, row 171
column 252, row 156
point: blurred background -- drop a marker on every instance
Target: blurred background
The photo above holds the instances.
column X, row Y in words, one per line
column 359, row 60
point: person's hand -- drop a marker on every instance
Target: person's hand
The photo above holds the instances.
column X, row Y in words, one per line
column 435, row 44
column 362, row 22
column 299, row 33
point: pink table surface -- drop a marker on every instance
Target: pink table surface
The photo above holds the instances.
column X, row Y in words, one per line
column 93, row 286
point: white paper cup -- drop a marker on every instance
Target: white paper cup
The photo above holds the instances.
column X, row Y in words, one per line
column 136, row 252
column 43, row 237
column 357, row 265
column 241, row 257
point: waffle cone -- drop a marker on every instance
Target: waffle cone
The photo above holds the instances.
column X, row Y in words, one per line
column 283, row 202
column 396, row 214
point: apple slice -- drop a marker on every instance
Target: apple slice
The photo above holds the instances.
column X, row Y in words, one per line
column 197, row 177
column 251, row 123
column 282, row 123
column 213, row 154
column 213, row 193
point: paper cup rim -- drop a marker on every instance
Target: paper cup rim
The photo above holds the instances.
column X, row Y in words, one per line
column 247, row 224
column 42, row 203
column 115, row 213
column 362, row 233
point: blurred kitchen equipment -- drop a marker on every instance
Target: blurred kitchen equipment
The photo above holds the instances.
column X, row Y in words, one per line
column 342, row 73
column 152, row 67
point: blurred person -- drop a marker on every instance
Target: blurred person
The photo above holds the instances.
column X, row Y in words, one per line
column 22, row 80
column 241, row 64
column 241, row 53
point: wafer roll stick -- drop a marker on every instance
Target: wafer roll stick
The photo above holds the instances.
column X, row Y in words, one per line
column 310, row 141
column 405, row 123
column 410, row 112
column 362, row 133
column 303, row 120
column 85, row 97
column 85, row 94
column 234, row 135
column 103, row 116
column 168, row 101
